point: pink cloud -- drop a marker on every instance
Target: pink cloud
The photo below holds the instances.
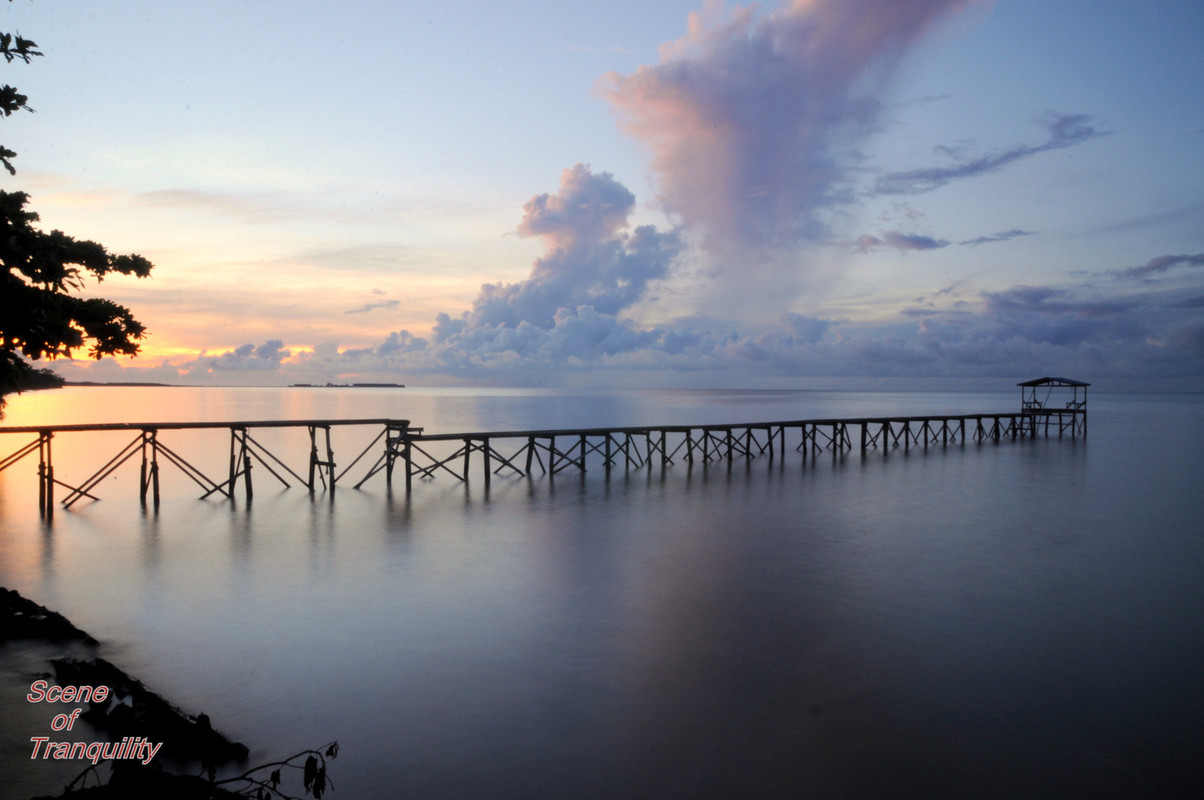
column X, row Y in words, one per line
column 745, row 113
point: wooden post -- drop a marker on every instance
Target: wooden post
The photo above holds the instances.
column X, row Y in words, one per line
column 391, row 443
column 313, row 455
column 233, row 470
column 150, row 468
column 409, row 465
column 142, row 482
column 45, row 475
column 329, row 457
column 246, row 466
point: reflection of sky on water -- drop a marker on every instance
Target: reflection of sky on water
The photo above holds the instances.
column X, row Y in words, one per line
column 1020, row 616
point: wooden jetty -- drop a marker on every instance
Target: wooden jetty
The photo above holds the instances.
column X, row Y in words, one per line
column 628, row 448
column 520, row 452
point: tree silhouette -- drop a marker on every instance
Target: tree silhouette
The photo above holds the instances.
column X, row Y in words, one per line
column 39, row 318
column 14, row 47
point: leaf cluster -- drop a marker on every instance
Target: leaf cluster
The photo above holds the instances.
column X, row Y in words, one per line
column 17, row 47
column 14, row 47
column 39, row 315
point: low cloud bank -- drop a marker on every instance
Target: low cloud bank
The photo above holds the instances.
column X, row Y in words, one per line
column 1021, row 330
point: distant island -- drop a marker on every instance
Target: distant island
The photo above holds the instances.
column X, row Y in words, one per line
column 117, row 383
column 31, row 379
column 45, row 379
column 346, row 386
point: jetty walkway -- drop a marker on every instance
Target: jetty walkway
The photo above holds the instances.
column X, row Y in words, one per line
column 425, row 456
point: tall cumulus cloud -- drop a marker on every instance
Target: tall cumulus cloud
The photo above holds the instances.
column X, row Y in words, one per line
column 591, row 258
column 744, row 114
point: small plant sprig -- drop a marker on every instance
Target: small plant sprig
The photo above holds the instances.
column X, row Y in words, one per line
column 314, row 779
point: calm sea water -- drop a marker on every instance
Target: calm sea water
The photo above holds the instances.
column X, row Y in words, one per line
column 1015, row 620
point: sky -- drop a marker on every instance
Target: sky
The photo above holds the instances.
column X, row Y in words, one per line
column 813, row 193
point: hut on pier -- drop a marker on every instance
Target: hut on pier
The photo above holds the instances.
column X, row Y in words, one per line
column 1054, row 401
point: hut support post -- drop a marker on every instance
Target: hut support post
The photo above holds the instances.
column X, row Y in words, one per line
column 324, row 468
column 45, row 475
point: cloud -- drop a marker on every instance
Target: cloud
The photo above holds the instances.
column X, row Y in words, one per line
column 1053, row 300
column 898, row 241
column 1018, row 331
column 746, row 116
column 1062, row 317
column 373, row 306
column 997, row 237
column 1161, row 264
column 1065, row 130
column 591, row 259
column 246, row 358
column 567, row 311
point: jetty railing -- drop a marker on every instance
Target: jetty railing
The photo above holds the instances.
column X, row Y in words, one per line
column 520, row 452
column 245, row 450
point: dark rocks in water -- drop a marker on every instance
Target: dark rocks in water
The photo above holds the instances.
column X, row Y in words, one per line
column 130, row 710
column 134, row 710
column 24, row 619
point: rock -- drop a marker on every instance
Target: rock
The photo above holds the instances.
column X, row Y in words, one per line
column 24, row 619
column 137, row 711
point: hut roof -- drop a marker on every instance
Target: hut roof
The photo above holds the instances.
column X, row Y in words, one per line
column 1053, row 382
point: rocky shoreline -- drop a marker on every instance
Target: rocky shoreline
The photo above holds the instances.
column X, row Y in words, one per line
column 130, row 713
column 22, row 618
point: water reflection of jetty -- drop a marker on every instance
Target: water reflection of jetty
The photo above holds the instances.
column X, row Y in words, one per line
column 427, row 455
